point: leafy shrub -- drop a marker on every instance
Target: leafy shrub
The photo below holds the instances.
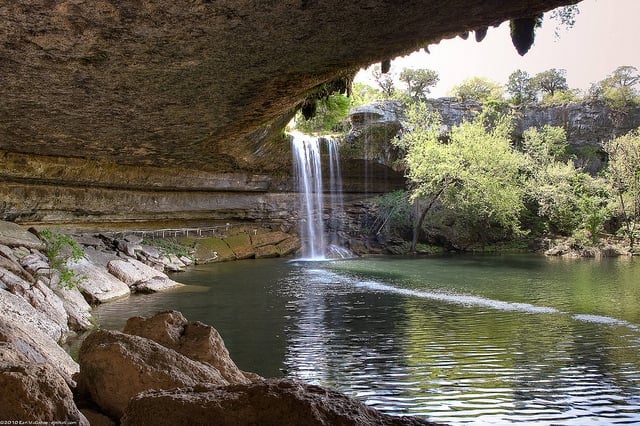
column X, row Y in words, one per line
column 60, row 249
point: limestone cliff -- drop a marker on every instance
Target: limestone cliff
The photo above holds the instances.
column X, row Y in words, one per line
column 587, row 124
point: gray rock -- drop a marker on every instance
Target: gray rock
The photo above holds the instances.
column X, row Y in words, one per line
column 76, row 306
column 133, row 238
column 34, row 335
column 14, row 235
column 40, row 297
column 143, row 277
column 88, row 241
column 150, row 251
column 96, row 283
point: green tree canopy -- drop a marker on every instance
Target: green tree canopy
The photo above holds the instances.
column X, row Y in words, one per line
column 551, row 81
column 623, row 172
column 473, row 169
column 620, row 88
column 520, row 88
column 478, row 89
column 419, row 82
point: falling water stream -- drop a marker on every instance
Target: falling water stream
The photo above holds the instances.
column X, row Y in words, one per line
column 307, row 156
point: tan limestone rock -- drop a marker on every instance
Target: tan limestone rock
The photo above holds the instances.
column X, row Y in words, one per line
column 274, row 402
column 194, row 340
column 33, row 393
column 14, row 235
column 115, row 366
column 141, row 277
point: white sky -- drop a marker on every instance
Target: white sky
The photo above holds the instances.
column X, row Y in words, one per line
column 605, row 36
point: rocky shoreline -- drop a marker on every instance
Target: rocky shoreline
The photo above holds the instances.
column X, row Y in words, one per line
column 159, row 370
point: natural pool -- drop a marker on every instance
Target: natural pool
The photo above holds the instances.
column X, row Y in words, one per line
column 457, row 339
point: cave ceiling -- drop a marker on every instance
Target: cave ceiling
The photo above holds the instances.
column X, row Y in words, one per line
column 199, row 83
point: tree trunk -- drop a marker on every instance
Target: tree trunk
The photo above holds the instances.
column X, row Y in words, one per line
column 418, row 224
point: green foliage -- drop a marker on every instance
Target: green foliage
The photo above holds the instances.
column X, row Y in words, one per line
column 620, row 89
column 561, row 97
column 564, row 197
column 546, row 144
column 170, row 246
column 473, row 170
column 384, row 81
column 565, row 16
column 551, row 81
column 60, row 249
column 478, row 89
column 419, row 82
column 623, row 171
column 395, row 213
column 363, row 94
column 521, row 89
column 330, row 115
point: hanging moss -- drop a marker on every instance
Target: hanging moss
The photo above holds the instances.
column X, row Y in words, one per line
column 342, row 84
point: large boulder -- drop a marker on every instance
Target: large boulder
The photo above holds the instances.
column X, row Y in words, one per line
column 114, row 367
column 14, row 235
column 33, row 335
column 33, row 393
column 274, row 402
column 96, row 283
column 194, row 340
column 141, row 277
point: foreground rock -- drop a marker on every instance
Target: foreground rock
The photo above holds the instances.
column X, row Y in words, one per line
column 271, row 402
column 194, row 340
column 36, row 393
column 114, row 367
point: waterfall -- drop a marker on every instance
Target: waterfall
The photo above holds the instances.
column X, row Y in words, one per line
column 308, row 176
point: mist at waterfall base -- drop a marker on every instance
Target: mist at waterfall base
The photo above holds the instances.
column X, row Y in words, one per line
column 317, row 243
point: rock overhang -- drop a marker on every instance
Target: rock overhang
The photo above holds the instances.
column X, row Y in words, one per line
column 198, row 84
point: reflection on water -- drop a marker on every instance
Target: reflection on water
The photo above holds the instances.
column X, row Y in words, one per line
column 461, row 339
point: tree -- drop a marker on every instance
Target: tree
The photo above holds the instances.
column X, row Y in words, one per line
column 362, row 94
column 478, row 89
column 384, row 81
column 520, row 88
column 564, row 197
column 551, row 81
column 473, row 169
column 620, row 88
column 419, row 82
column 545, row 145
column 623, row 171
